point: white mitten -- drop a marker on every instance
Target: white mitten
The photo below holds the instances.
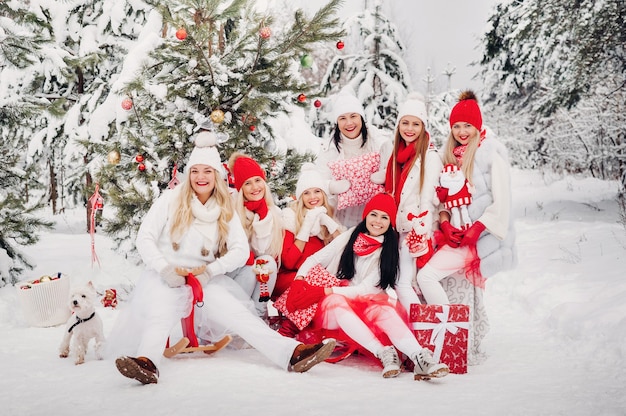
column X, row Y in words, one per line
column 378, row 177
column 311, row 220
column 329, row 223
column 419, row 226
column 169, row 276
column 338, row 187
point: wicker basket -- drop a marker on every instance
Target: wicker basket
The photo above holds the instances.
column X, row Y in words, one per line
column 45, row 301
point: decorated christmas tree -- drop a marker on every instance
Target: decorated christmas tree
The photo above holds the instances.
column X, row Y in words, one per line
column 214, row 65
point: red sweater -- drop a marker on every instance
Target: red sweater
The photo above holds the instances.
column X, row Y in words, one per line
column 291, row 260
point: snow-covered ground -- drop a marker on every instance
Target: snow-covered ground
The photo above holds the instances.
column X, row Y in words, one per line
column 557, row 344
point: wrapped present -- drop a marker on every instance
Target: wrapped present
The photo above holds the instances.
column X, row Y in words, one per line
column 444, row 329
column 317, row 276
column 358, row 171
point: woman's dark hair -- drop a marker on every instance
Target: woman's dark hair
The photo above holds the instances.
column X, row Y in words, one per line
column 337, row 134
column 389, row 257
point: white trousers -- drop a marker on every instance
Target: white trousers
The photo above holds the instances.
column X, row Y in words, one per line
column 446, row 262
column 246, row 278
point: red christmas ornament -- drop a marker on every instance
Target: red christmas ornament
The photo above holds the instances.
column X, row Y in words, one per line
column 181, row 34
column 265, row 32
column 141, row 167
column 301, row 98
column 317, row 103
column 127, row 104
column 252, row 127
column 139, row 158
column 340, row 45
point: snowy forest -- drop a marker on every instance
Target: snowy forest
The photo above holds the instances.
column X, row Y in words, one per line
column 102, row 97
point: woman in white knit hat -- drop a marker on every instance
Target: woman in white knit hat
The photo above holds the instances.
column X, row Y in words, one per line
column 412, row 174
column 309, row 225
column 194, row 229
column 351, row 138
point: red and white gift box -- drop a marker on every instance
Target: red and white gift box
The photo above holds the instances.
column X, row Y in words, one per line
column 444, row 329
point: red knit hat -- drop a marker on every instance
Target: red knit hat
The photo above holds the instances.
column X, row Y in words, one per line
column 467, row 110
column 244, row 168
column 385, row 203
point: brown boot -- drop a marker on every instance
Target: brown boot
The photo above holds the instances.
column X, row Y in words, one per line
column 305, row 356
column 141, row 369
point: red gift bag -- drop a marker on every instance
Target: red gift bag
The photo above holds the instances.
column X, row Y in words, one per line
column 317, row 276
column 444, row 329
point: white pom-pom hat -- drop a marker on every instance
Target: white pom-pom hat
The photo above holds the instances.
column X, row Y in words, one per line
column 310, row 177
column 413, row 106
column 205, row 152
column 347, row 103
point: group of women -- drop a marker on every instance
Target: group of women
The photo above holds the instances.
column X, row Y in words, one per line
column 379, row 256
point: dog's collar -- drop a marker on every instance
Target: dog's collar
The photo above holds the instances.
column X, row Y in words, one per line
column 80, row 320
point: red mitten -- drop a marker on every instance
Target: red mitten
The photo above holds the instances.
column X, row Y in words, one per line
column 442, row 193
column 296, row 288
column 250, row 260
column 471, row 235
column 309, row 296
column 258, row 207
column 453, row 235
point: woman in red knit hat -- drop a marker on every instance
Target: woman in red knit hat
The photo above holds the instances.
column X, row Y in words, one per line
column 365, row 259
column 261, row 220
column 487, row 245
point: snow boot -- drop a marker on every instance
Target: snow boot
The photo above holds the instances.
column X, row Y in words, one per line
column 426, row 367
column 305, row 356
column 141, row 369
column 388, row 356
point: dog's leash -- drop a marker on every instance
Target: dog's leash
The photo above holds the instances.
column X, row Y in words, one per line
column 80, row 321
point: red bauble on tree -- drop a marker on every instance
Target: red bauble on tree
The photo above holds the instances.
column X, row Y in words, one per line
column 252, row 128
column 301, row 98
column 317, row 103
column 181, row 34
column 127, row 104
column 141, row 167
column 139, row 158
column 340, row 45
column 265, row 32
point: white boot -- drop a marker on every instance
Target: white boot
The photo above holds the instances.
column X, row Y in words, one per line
column 426, row 367
column 391, row 363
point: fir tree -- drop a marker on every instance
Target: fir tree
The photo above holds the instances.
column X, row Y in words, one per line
column 219, row 64
column 374, row 70
column 19, row 225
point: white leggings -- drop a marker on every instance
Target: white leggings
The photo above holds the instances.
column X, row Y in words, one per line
column 446, row 262
column 341, row 316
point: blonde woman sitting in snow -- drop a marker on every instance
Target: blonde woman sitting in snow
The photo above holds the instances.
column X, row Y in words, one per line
column 262, row 221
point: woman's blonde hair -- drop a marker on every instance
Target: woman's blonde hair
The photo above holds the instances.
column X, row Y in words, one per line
column 468, row 156
column 276, row 245
column 182, row 217
column 298, row 207
column 421, row 147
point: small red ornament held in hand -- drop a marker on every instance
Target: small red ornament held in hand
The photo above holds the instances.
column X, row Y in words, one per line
column 262, row 276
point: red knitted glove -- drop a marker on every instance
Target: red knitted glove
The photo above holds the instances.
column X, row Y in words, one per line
column 258, row 207
column 453, row 235
column 442, row 193
column 472, row 234
column 309, row 296
column 250, row 260
column 296, row 288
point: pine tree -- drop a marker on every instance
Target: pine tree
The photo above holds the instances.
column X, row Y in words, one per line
column 19, row 225
column 220, row 63
column 374, row 70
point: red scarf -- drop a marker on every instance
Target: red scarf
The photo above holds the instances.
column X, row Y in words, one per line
column 404, row 157
column 364, row 245
column 459, row 151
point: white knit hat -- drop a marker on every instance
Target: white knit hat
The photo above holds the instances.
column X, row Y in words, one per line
column 347, row 103
column 413, row 106
column 205, row 152
column 310, row 177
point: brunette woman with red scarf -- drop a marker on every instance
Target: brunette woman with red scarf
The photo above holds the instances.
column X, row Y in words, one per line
column 413, row 172
column 366, row 258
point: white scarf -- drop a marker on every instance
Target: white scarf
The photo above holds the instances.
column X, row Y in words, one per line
column 205, row 219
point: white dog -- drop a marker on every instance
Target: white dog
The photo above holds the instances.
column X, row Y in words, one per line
column 84, row 324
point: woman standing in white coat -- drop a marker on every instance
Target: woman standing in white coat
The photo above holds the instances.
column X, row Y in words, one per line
column 351, row 138
column 194, row 227
column 413, row 172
